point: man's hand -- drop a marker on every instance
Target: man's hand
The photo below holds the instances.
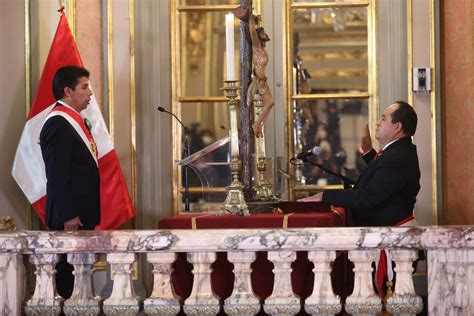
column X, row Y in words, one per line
column 72, row 224
column 314, row 198
column 242, row 13
column 366, row 141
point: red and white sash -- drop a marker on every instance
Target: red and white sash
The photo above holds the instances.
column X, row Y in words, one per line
column 383, row 260
column 77, row 122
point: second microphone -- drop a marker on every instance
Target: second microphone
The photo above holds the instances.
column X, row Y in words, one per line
column 316, row 150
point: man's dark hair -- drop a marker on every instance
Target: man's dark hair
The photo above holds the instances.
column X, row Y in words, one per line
column 67, row 76
column 406, row 115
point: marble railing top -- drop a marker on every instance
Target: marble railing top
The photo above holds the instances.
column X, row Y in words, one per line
column 224, row 240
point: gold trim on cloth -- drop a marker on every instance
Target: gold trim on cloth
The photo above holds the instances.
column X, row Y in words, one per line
column 285, row 220
column 194, row 220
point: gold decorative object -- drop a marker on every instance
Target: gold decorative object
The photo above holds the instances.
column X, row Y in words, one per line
column 7, row 223
column 263, row 189
column 196, row 38
column 234, row 202
column 389, row 289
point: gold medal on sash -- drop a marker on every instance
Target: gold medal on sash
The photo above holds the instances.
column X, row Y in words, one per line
column 93, row 147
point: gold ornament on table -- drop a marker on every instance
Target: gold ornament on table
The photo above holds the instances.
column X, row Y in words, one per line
column 263, row 189
column 7, row 224
column 234, row 202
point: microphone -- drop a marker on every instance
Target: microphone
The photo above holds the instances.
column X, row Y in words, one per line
column 316, row 150
column 162, row 109
column 186, row 155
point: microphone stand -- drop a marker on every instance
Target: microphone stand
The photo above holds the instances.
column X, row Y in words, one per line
column 348, row 183
column 186, row 155
column 186, row 176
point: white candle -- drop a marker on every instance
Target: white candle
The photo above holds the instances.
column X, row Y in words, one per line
column 229, row 45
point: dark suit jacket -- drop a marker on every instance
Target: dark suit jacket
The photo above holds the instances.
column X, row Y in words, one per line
column 73, row 186
column 385, row 193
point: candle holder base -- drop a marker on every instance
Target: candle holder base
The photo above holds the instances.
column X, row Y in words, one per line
column 234, row 203
column 263, row 189
column 264, row 192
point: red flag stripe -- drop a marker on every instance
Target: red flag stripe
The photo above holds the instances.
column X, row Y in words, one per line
column 40, row 208
column 115, row 206
column 63, row 52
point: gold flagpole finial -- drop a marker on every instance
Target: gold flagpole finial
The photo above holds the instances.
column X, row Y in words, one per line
column 61, row 7
column 61, row 3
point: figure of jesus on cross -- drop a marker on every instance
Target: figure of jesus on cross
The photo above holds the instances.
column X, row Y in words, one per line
column 259, row 82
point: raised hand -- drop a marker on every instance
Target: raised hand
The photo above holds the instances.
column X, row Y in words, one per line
column 366, row 141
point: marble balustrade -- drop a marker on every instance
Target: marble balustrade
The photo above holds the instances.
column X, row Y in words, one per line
column 450, row 270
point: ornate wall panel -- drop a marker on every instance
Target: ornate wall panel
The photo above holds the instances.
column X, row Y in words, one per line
column 13, row 106
column 457, row 46
column 89, row 33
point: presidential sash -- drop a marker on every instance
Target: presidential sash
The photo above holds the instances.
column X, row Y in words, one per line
column 77, row 122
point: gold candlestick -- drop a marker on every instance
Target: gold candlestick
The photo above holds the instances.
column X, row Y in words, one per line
column 234, row 202
column 263, row 189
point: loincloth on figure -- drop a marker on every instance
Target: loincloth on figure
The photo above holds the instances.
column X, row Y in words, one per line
column 259, row 85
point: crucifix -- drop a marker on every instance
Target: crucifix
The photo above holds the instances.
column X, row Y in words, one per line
column 252, row 48
column 247, row 141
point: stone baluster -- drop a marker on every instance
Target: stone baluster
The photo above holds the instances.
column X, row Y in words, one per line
column 12, row 284
column 162, row 300
column 322, row 300
column 404, row 299
column 282, row 301
column 45, row 300
column 242, row 301
column 363, row 299
column 123, row 300
column 82, row 300
column 202, row 300
column 451, row 281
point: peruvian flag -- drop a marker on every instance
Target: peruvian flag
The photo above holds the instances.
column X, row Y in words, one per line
column 28, row 167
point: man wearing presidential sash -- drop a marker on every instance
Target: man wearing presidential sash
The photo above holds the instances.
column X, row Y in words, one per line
column 70, row 156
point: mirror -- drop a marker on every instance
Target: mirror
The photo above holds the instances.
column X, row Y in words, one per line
column 331, row 49
column 331, row 57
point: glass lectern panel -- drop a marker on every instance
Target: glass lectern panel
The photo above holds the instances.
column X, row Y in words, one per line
column 209, row 173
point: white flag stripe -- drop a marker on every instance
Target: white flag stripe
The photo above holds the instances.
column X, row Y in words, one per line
column 99, row 129
column 28, row 166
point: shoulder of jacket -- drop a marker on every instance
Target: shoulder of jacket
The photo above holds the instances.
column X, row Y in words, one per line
column 55, row 124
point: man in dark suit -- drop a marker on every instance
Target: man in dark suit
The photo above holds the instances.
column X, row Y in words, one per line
column 386, row 191
column 71, row 162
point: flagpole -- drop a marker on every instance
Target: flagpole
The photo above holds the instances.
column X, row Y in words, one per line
column 28, row 82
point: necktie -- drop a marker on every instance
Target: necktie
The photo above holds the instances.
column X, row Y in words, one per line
column 379, row 152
